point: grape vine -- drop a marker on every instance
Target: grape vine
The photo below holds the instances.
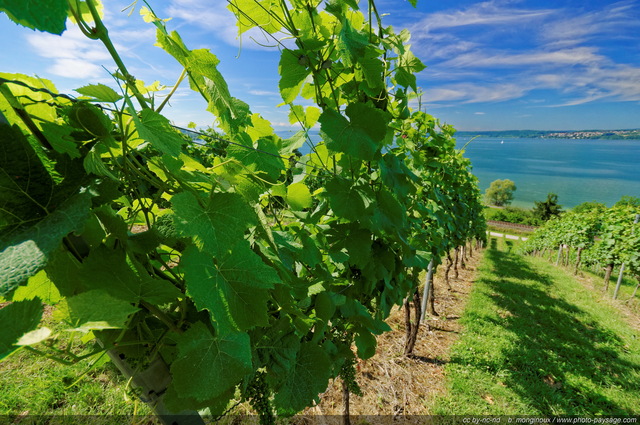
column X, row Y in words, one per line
column 599, row 237
column 242, row 264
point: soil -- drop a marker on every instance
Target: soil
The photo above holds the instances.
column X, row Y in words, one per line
column 395, row 385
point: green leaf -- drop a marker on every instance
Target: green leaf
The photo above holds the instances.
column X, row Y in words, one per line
column 90, row 118
column 177, row 403
column 107, row 269
column 157, row 130
column 299, row 196
column 259, row 128
column 208, row 366
column 308, row 378
column 360, row 136
column 95, row 310
column 366, row 344
column 16, row 320
column 100, row 92
column 38, row 286
column 264, row 161
column 345, row 199
column 325, row 306
column 372, row 68
column 292, row 74
column 204, row 78
column 390, row 215
column 27, row 252
column 351, row 44
column 408, row 65
column 278, row 347
column 267, row 14
column 60, row 138
column 25, row 183
column 35, row 336
column 358, row 244
column 216, row 226
column 232, row 287
column 42, row 15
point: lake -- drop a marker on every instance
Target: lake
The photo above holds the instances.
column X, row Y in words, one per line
column 576, row 170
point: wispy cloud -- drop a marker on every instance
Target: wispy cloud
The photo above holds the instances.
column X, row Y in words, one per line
column 575, row 56
column 611, row 21
column 523, row 49
column 485, row 13
column 214, row 17
column 475, row 93
column 72, row 54
column 263, row 93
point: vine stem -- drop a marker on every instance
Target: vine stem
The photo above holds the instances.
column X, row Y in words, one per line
column 173, row 90
column 102, row 34
column 160, row 315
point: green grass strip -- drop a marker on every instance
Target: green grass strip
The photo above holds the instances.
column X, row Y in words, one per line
column 537, row 342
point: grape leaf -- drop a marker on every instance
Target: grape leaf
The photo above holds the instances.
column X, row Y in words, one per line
column 360, row 136
column 232, row 287
column 308, row 378
column 408, row 65
column 24, row 254
column 345, row 199
column 292, row 74
column 265, row 161
column 107, row 269
column 17, row 319
column 299, row 196
column 25, row 183
column 216, row 226
column 60, row 138
column 157, row 130
column 100, row 92
column 43, row 15
column 178, row 403
column 204, row 78
column 366, row 344
column 38, row 286
column 209, row 366
column 95, row 310
column 351, row 44
column 266, row 14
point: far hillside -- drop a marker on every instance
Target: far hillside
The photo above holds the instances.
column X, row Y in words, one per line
column 631, row 134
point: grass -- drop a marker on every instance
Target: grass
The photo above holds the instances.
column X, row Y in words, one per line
column 537, row 342
column 509, row 231
column 596, row 282
column 33, row 385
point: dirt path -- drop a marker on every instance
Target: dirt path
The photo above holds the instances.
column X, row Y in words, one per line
column 395, row 385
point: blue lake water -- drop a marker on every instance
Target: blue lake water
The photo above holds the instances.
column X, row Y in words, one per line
column 576, row 170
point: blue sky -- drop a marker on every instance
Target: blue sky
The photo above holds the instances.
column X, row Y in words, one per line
column 491, row 65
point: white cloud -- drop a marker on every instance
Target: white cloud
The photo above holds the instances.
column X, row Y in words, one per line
column 575, row 56
column 263, row 93
column 561, row 53
column 475, row 93
column 485, row 13
column 572, row 28
column 214, row 17
column 73, row 55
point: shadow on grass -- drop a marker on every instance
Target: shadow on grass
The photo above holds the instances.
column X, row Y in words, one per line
column 562, row 360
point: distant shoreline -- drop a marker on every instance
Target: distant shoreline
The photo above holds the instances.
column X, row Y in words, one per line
column 633, row 134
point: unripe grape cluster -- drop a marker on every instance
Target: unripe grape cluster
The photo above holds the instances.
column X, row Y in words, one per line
column 348, row 376
column 258, row 393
